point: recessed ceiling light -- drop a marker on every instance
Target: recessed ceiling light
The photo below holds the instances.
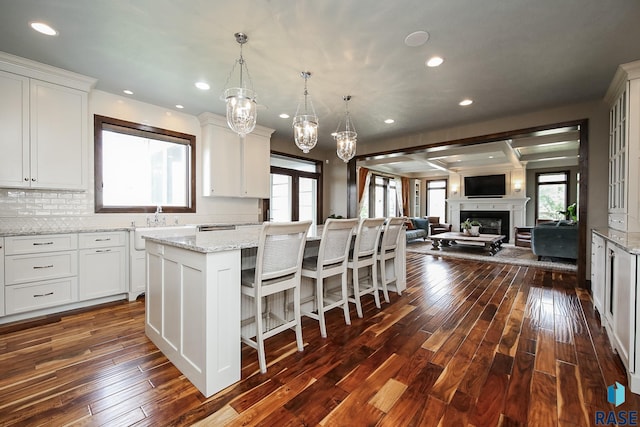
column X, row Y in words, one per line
column 465, row 102
column 417, row 38
column 284, row 116
column 202, row 86
column 180, row 107
column 128, row 92
column 434, row 61
column 389, row 121
column 43, row 28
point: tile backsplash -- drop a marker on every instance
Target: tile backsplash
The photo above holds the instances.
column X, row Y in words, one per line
column 34, row 203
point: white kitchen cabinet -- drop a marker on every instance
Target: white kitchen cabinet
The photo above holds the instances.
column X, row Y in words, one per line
column 43, row 126
column 1, row 276
column 598, row 257
column 620, row 301
column 623, row 98
column 256, row 165
column 102, row 264
column 40, row 272
column 234, row 166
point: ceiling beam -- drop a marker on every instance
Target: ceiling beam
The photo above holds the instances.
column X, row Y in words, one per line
column 512, row 155
column 546, row 139
column 550, row 155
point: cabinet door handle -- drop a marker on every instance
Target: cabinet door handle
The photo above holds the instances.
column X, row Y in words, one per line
column 42, row 243
column 43, row 295
column 42, row 266
column 33, row 179
column 103, row 250
column 26, row 179
column 103, row 240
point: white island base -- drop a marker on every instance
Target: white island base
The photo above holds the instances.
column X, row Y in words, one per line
column 193, row 313
column 194, row 306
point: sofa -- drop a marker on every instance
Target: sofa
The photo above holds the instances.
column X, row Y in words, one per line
column 557, row 239
column 417, row 228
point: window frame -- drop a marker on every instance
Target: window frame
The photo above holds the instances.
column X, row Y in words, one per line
column 296, row 175
column 190, row 140
column 385, row 188
column 427, row 190
column 566, row 182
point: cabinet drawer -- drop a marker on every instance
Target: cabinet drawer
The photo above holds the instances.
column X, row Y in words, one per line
column 33, row 296
column 17, row 245
column 101, row 239
column 29, row 268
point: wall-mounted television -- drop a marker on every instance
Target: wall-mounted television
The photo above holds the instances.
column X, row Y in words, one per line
column 485, row 186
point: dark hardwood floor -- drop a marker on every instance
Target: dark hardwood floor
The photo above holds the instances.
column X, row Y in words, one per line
column 467, row 344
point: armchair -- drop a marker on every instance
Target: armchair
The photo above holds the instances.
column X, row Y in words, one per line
column 436, row 227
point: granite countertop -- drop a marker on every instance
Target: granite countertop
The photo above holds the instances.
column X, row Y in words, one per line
column 92, row 229
column 628, row 241
column 217, row 241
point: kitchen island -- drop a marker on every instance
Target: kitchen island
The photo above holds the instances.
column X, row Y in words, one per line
column 193, row 300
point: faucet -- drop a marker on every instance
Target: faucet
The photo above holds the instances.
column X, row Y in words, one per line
column 156, row 218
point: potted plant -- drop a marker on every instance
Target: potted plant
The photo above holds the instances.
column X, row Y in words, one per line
column 470, row 227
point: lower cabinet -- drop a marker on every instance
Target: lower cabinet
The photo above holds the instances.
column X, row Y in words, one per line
column 103, row 264
column 598, row 256
column 38, row 295
column 617, row 269
column 43, row 274
column 1, row 276
column 40, row 272
column 620, row 301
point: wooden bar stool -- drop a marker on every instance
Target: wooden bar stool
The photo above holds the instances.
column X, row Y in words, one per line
column 365, row 255
column 278, row 269
column 331, row 261
column 387, row 254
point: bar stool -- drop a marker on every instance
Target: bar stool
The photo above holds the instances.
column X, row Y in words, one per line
column 331, row 261
column 388, row 247
column 365, row 255
column 278, row 268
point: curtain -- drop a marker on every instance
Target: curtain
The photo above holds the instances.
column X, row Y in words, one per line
column 404, row 203
column 364, row 176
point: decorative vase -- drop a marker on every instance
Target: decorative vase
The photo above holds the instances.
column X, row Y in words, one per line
column 475, row 230
column 465, row 231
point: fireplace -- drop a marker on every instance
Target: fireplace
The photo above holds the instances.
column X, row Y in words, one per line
column 491, row 222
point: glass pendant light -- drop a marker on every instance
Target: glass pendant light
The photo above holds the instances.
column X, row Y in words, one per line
column 241, row 101
column 346, row 139
column 305, row 123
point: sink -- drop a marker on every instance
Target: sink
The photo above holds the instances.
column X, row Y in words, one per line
column 169, row 231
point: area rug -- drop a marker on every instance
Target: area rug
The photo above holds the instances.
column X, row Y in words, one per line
column 509, row 254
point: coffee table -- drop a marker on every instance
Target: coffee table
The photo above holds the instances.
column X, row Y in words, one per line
column 490, row 242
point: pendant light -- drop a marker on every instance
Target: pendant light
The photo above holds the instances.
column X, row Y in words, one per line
column 346, row 139
column 241, row 101
column 305, row 122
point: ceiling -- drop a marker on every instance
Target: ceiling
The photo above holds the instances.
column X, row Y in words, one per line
column 507, row 56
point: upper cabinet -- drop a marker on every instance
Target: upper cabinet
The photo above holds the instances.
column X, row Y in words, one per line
column 623, row 98
column 234, row 166
column 43, row 125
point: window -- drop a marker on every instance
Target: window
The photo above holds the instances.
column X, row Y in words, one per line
column 383, row 198
column 436, row 198
column 139, row 167
column 552, row 195
column 295, row 189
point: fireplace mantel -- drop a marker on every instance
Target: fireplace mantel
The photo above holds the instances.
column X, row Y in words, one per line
column 515, row 207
